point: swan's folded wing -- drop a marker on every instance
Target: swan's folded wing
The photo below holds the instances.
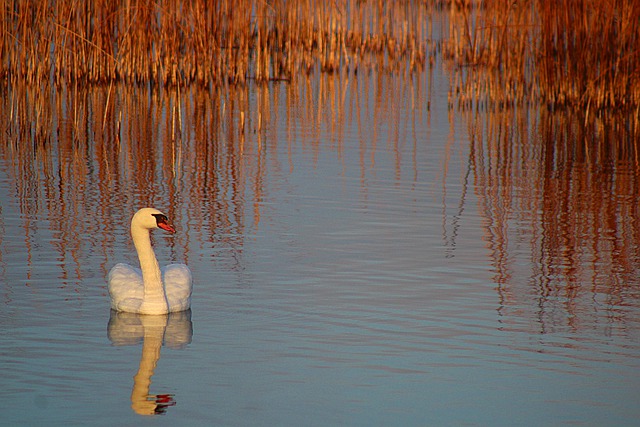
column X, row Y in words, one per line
column 125, row 287
column 178, row 285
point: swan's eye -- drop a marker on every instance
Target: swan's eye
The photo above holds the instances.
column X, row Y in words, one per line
column 161, row 219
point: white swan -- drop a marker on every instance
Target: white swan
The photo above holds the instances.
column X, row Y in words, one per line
column 149, row 290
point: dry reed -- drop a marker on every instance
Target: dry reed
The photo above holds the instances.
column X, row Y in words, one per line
column 171, row 42
column 578, row 53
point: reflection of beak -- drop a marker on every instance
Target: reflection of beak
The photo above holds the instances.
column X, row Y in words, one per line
column 167, row 227
column 166, row 399
column 163, row 401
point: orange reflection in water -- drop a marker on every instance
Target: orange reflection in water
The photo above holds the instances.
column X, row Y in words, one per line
column 87, row 158
column 559, row 195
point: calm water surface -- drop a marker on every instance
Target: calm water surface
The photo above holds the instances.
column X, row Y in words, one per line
column 358, row 259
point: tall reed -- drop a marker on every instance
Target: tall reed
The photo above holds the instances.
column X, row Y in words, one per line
column 567, row 53
column 172, row 42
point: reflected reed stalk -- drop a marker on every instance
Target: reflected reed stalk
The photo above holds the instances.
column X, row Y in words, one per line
column 560, row 202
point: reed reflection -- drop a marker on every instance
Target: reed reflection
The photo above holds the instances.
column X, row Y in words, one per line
column 68, row 151
column 559, row 194
column 557, row 191
column 174, row 330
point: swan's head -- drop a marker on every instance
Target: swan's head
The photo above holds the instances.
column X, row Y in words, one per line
column 151, row 218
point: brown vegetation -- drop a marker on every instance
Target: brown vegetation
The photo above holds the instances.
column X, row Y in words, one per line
column 578, row 53
column 582, row 53
column 170, row 42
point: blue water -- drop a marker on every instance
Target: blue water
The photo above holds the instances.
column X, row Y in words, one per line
column 357, row 260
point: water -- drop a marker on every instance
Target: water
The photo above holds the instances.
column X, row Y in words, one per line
column 358, row 259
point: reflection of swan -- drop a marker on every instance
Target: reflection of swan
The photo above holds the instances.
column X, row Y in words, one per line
column 142, row 290
column 129, row 329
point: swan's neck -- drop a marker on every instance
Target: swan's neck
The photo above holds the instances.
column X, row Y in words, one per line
column 155, row 301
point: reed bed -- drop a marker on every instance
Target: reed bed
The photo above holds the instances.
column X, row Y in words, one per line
column 568, row 53
column 171, row 42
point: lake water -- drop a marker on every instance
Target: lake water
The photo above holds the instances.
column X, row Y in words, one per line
column 362, row 254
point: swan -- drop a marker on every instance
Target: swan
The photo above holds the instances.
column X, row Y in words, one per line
column 149, row 290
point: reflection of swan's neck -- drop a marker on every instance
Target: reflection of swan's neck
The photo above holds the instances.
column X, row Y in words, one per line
column 155, row 301
column 154, row 327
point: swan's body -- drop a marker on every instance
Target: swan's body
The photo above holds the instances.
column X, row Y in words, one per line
column 149, row 289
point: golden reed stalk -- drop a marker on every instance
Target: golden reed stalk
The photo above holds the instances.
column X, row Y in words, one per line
column 171, row 42
column 566, row 53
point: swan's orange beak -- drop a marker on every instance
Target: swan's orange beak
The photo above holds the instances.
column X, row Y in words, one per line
column 166, row 226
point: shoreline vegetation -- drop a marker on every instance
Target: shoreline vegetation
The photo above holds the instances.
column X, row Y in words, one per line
column 567, row 53
column 572, row 53
column 169, row 43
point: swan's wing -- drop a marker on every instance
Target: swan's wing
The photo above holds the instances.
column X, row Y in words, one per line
column 177, row 284
column 125, row 287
